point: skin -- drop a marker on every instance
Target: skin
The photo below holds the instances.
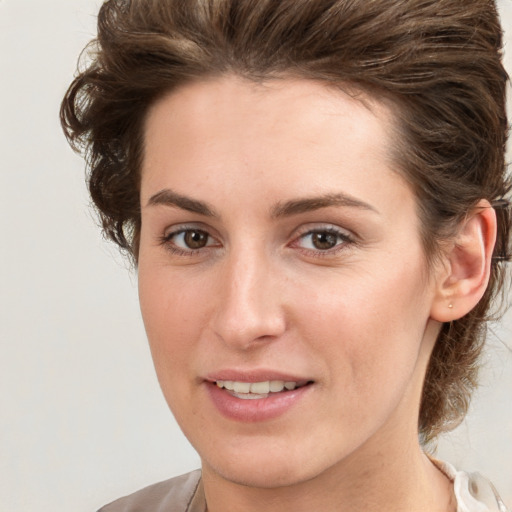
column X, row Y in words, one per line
column 356, row 319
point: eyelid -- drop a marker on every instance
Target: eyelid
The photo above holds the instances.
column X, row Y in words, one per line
column 177, row 228
column 172, row 231
column 347, row 238
column 328, row 227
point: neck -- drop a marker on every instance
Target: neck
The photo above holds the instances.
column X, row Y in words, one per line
column 406, row 482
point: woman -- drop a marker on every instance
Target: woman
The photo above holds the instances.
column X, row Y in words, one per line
column 314, row 194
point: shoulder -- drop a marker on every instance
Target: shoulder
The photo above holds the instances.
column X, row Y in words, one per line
column 174, row 495
column 474, row 492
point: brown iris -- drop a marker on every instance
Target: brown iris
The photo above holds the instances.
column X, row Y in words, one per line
column 196, row 239
column 323, row 240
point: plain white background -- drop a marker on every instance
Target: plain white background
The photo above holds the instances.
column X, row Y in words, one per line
column 82, row 417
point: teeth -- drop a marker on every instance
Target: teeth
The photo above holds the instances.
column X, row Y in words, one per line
column 260, row 388
column 227, row 384
column 249, row 396
column 242, row 387
column 276, row 386
column 257, row 388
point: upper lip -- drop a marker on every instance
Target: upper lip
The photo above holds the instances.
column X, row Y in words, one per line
column 259, row 375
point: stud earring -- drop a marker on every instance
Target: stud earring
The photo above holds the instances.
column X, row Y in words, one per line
column 450, row 305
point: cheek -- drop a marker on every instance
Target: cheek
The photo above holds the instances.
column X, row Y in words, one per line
column 172, row 319
column 370, row 326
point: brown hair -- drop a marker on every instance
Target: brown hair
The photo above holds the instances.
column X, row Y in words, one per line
column 438, row 60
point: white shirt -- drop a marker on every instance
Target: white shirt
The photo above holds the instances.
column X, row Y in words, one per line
column 473, row 492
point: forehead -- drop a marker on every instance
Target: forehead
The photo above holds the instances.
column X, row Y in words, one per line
column 283, row 98
column 286, row 137
column 243, row 119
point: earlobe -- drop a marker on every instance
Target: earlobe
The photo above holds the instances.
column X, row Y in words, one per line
column 467, row 264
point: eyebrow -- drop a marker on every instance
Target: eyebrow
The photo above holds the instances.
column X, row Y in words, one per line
column 308, row 204
column 168, row 197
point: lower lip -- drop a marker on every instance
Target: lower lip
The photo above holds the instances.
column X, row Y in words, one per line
column 253, row 410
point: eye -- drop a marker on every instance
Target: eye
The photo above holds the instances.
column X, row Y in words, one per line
column 191, row 239
column 188, row 240
column 323, row 240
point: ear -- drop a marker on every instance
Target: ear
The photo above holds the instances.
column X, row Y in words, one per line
column 467, row 263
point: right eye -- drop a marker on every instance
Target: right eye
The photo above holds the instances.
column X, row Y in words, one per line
column 188, row 240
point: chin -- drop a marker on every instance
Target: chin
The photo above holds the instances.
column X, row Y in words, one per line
column 267, row 467
column 270, row 475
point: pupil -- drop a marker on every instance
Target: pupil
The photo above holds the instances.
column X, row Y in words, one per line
column 196, row 239
column 324, row 240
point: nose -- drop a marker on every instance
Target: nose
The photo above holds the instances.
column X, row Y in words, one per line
column 249, row 307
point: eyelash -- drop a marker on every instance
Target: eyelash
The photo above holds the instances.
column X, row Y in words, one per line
column 167, row 241
column 343, row 239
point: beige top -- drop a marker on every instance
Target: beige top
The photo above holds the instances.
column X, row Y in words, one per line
column 181, row 494
column 185, row 494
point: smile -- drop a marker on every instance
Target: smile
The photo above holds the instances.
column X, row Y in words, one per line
column 253, row 395
column 257, row 390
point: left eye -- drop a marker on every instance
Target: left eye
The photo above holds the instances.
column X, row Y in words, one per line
column 322, row 240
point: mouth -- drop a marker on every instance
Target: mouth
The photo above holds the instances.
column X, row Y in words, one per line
column 259, row 390
column 257, row 395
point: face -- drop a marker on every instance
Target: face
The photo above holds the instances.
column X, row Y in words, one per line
column 282, row 279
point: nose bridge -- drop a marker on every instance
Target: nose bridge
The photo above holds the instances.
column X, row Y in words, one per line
column 249, row 306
